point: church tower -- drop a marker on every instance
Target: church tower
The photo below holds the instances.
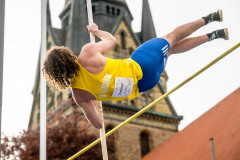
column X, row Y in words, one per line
column 150, row 129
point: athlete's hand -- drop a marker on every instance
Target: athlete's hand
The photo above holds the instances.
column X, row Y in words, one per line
column 92, row 28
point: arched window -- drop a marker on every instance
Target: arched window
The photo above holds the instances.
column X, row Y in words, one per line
column 132, row 102
column 116, row 52
column 123, row 43
column 145, row 145
column 108, row 128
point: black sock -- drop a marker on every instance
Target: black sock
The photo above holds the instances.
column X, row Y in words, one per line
column 212, row 36
column 216, row 16
column 220, row 33
column 207, row 19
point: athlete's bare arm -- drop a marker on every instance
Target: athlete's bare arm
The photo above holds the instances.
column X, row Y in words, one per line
column 91, row 57
column 108, row 41
column 91, row 111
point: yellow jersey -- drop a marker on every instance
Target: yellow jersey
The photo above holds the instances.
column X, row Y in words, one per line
column 118, row 80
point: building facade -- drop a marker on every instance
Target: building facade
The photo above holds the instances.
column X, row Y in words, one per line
column 143, row 133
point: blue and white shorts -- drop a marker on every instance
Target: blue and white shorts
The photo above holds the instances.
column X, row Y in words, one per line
column 152, row 58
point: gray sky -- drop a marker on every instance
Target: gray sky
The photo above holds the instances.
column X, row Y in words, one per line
column 22, row 43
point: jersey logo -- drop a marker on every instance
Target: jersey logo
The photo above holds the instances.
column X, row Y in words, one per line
column 128, row 61
column 165, row 49
column 105, row 85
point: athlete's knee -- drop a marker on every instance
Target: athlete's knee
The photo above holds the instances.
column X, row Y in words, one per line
column 170, row 52
column 171, row 39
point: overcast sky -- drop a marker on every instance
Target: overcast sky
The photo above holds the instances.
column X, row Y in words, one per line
column 22, row 43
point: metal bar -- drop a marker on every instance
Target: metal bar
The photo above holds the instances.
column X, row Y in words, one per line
column 90, row 18
column 102, row 136
column 43, row 82
column 213, row 152
column 102, row 130
column 154, row 102
column 2, row 16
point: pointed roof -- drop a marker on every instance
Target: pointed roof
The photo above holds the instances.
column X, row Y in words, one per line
column 57, row 36
column 148, row 30
column 222, row 123
column 76, row 34
column 49, row 22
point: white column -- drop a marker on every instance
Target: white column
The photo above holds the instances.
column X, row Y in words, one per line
column 2, row 14
column 43, row 82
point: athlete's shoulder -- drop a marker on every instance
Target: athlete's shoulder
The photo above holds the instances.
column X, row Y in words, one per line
column 89, row 47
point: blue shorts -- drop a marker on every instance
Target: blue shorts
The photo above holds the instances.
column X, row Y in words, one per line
column 152, row 57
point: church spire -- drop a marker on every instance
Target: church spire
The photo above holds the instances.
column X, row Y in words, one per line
column 49, row 22
column 74, row 21
column 148, row 30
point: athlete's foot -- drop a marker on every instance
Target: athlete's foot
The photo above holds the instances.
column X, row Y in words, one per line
column 216, row 16
column 220, row 33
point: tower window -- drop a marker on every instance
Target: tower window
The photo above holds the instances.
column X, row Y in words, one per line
column 113, row 11
column 108, row 9
column 144, row 142
column 93, row 9
column 118, row 12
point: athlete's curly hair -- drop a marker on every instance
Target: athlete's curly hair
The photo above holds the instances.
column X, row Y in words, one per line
column 59, row 67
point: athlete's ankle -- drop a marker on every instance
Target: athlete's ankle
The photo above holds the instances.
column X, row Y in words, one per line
column 215, row 16
column 220, row 33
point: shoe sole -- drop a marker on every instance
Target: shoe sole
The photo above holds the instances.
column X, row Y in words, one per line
column 226, row 34
column 220, row 15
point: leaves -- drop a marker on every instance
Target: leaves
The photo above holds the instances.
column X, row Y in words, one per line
column 65, row 137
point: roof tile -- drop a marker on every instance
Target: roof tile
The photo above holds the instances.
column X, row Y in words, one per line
column 222, row 122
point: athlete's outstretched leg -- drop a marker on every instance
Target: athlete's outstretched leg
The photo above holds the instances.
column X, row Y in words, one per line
column 187, row 44
column 190, row 43
column 185, row 30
